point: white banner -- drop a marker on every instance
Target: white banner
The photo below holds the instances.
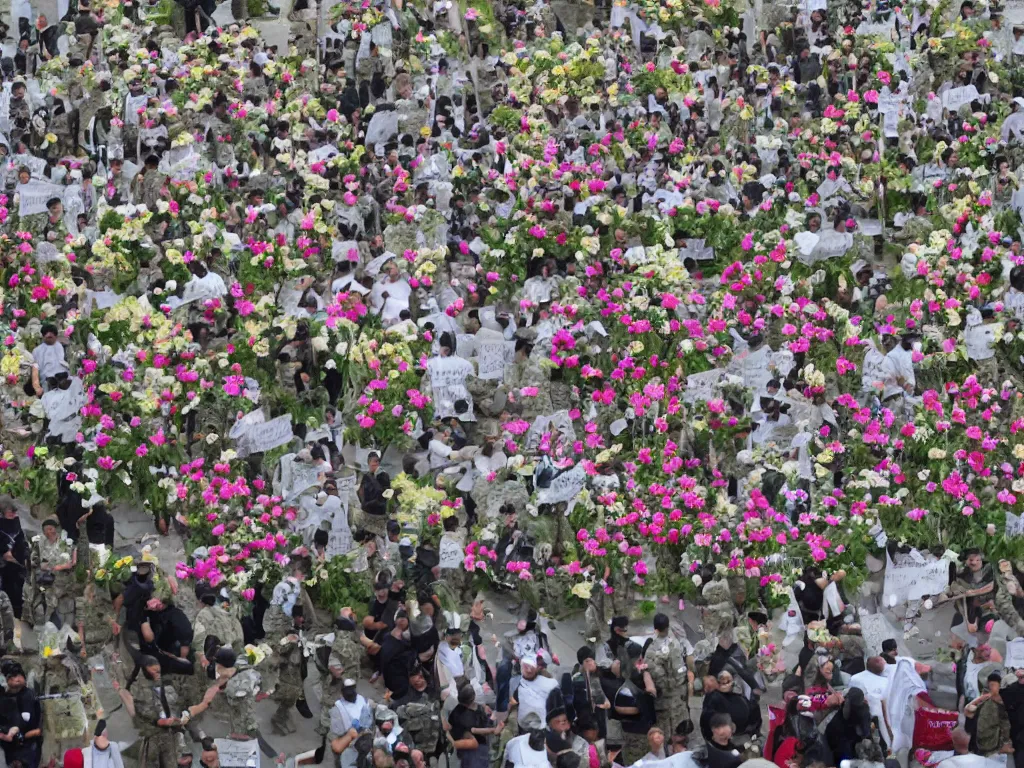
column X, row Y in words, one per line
column 910, row 581
column 32, row 197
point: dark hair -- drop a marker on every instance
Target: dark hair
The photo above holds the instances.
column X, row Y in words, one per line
column 584, row 653
column 719, row 719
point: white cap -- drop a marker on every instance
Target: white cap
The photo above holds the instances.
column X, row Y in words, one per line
column 529, row 661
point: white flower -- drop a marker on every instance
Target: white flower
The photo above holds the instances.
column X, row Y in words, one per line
column 697, row 580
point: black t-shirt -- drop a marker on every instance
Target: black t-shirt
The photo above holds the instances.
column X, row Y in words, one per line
column 463, row 720
column 171, row 629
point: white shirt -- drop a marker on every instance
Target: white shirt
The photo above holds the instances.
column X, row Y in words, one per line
column 874, row 687
column 902, row 366
column 519, row 753
column 532, row 696
column 440, row 454
column 49, row 358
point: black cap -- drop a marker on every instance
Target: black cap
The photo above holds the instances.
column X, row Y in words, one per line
column 226, row 657
column 620, row 622
column 584, row 653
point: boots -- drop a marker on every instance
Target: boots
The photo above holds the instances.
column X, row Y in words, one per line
column 281, row 722
column 303, row 708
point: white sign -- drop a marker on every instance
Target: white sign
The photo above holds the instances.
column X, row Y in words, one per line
column 912, row 582
column 1014, row 526
column 238, row 754
column 701, row 386
column 265, row 436
column 465, row 345
column 450, row 553
column 448, row 381
column 32, row 197
column 1015, row 654
column 955, row 98
column 132, row 105
column 491, row 361
column 564, row 487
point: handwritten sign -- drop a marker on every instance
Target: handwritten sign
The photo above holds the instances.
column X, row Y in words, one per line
column 36, row 165
column 908, row 581
column 701, row 386
column 266, row 436
column 32, row 197
column 1014, row 525
column 955, row 98
column 238, row 754
column 448, row 381
column 450, row 554
column 465, row 345
column 491, row 361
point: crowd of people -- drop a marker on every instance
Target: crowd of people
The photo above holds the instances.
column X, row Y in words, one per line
column 386, row 311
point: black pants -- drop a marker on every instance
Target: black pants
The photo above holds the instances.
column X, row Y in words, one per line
column 13, row 579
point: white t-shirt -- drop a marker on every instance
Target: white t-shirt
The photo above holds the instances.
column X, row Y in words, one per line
column 398, row 298
column 532, row 696
column 874, row 687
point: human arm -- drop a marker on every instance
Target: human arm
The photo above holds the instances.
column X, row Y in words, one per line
column 126, row 698
column 340, row 743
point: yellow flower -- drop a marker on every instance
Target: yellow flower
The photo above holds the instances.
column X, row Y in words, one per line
column 583, row 590
column 47, row 652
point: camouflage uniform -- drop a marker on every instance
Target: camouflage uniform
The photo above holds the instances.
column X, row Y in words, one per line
column 422, row 720
column 240, row 699
column 6, row 622
column 668, row 671
column 93, row 612
column 285, row 670
column 66, row 719
column 346, row 653
column 160, row 744
column 41, row 602
column 1009, row 599
column 215, row 621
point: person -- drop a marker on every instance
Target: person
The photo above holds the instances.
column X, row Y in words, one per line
column 667, row 664
column 470, row 729
column 991, row 724
column 49, row 356
column 721, row 753
column 723, row 700
column 102, row 753
column 397, row 656
column 156, row 714
column 15, row 551
column 874, row 682
column 52, row 558
column 350, row 718
column 531, row 695
column 240, row 683
column 589, row 700
column 419, row 712
column 284, row 621
column 21, row 734
column 851, row 725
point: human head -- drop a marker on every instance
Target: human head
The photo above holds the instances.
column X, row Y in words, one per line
column 889, row 647
column 655, row 740
column 722, row 728
column 974, row 561
column 529, row 666
column 585, row 657
column 725, row 681
column 661, row 624
column 995, row 680
column 51, row 528
column 876, row 665
column 150, row 667
column 620, row 626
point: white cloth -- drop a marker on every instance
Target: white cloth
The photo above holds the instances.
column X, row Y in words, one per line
column 902, row 367
column 397, row 300
column 519, row 753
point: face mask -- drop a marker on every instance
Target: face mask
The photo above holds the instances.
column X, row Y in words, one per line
column 349, row 696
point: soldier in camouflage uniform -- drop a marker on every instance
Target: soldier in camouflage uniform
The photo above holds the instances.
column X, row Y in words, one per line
column 157, row 716
column 53, row 554
column 283, row 621
column 1009, row 600
column 63, row 676
column 214, row 620
column 94, row 611
column 240, row 683
column 667, row 665
column 342, row 662
column 7, row 622
column 420, row 714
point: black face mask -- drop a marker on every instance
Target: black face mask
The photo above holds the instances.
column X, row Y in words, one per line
column 349, row 695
